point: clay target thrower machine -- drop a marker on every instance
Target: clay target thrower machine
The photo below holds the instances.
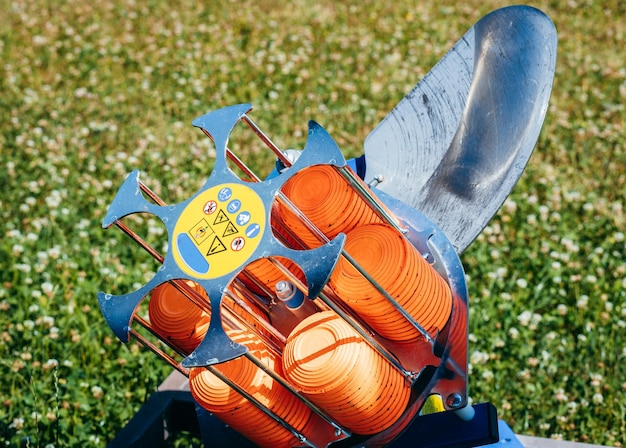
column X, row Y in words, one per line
column 326, row 304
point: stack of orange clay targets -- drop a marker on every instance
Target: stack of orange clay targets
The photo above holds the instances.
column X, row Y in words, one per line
column 334, row 367
column 327, row 200
column 176, row 318
column 324, row 358
column 402, row 272
column 235, row 410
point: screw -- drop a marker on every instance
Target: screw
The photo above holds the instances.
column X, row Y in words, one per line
column 454, row 400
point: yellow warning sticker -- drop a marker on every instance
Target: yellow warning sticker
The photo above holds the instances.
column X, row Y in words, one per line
column 218, row 231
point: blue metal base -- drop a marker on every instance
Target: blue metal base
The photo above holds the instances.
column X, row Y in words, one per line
column 447, row 430
column 507, row 438
column 166, row 413
column 441, row 430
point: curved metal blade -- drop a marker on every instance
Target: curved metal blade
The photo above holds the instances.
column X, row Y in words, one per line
column 455, row 146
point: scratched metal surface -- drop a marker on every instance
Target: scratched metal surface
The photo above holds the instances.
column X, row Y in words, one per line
column 455, row 146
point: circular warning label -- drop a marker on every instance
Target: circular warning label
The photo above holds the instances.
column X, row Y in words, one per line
column 218, row 231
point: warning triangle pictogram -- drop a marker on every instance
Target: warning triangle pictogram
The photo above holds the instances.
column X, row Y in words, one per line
column 230, row 230
column 220, row 218
column 216, row 247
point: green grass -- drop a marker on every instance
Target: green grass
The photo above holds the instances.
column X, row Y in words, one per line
column 89, row 92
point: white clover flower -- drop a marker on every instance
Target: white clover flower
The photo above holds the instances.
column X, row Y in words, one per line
column 18, row 423
column 560, row 395
column 591, row 278
column 524, row 318
column 53, row 200
column 14, row 233
column 513, row 333
column 597, row 398
column 51, row 364
column 478, row 357
column 510, row 206
column 551, row 336
column 29, row 324
column 54, row 252
column 47, row 321
column 596, row 379
column 97, row 392
column 47, row 288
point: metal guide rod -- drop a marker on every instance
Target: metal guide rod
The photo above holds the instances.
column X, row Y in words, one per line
column 242, row 166
column 232, row 318
column 258, row 404
column 154, row 349
column 151, row 194
column 370, row 340
column 268, row 142
column 291, row 234
column 330, row 304
column 305, row 219
column 241, row 288
column 243, row 322
column 190, row 294
column 367, row 196
column 266, row 325
column 140, row 241
column 231, row 155
column 291, row 389
column 390, row 299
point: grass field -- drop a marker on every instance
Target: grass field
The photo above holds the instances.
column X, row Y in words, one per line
column 89, row 92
